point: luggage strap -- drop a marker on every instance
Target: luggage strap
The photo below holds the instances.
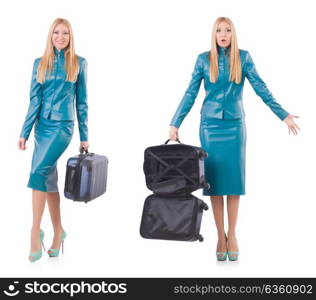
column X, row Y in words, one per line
column 168, row 167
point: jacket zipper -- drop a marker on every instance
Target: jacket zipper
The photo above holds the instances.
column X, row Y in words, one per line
column 224, row 77
column 56, row 71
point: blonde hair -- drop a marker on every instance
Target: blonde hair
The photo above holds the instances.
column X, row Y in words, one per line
column 47, row 60
column 234, row 60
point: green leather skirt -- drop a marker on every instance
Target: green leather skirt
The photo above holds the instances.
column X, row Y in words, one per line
column 51, row 140
column 225, row 142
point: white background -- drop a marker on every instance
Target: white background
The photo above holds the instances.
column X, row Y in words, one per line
column 140, row 59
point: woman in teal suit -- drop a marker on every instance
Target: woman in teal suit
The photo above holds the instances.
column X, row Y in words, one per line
column 58, row 87
column 222, row 127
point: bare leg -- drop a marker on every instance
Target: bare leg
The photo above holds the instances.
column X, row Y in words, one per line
column 38, row 205
column 218, row 212
column 53, row 201
column 232, row 213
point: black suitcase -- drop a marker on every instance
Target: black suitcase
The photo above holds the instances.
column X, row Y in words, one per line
column 86, row 176
column 174, row 168
column 172, row 217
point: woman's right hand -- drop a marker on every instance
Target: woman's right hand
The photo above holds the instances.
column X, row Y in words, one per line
column 21, row 143
column 174, row 133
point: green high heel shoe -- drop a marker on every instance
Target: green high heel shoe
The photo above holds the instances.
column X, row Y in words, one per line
column 38, row 254
column 55, row 252
column 233, row 255
column 222, row 256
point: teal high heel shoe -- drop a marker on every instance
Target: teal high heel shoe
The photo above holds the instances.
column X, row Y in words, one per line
column 222, row 256
column 38, row 254
column 233, row 255
column 55, row 252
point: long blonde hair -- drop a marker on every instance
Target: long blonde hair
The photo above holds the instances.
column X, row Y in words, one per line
column 234, row 60
column 47, row 60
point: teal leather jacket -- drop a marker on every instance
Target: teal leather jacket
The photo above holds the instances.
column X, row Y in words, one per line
column 56, row 98
column 223, row 99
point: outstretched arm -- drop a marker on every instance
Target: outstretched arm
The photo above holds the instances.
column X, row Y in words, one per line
column 262, row 91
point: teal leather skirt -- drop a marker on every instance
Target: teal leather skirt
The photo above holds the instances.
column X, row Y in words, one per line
column 225, row 142
column 51, row 140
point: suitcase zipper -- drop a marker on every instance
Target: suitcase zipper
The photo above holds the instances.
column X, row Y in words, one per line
column 194, row 218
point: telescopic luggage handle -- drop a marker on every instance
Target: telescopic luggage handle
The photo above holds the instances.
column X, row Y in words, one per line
column 168, row 140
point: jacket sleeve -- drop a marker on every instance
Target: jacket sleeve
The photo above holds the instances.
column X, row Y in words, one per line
column 261, row 89
column 189, row 95
column 35, row 103
column 81, row 101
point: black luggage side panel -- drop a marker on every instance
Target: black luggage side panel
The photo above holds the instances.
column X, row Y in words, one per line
column 172, row 218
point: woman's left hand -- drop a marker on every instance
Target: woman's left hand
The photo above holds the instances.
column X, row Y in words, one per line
column 292, row 126
column 84, row 145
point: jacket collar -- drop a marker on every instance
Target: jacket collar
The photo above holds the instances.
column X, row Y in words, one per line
column 223, row 50
column 60, row 53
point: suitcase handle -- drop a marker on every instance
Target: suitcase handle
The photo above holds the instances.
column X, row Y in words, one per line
column 87, row 153
column 83, row 150
column 168, row 140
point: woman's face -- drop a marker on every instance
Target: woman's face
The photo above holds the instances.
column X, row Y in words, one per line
column 60, row 37
column 223, row 34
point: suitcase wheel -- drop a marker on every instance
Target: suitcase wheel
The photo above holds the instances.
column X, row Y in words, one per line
column 200, row 238
column 204, row 206
column 205, row 185
column 203, row 154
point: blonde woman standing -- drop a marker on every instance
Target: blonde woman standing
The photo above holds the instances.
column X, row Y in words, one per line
column 222, row 127
column 58, row 86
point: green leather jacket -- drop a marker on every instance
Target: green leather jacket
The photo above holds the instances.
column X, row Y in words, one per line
column 56, row 98
column 223, row 99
